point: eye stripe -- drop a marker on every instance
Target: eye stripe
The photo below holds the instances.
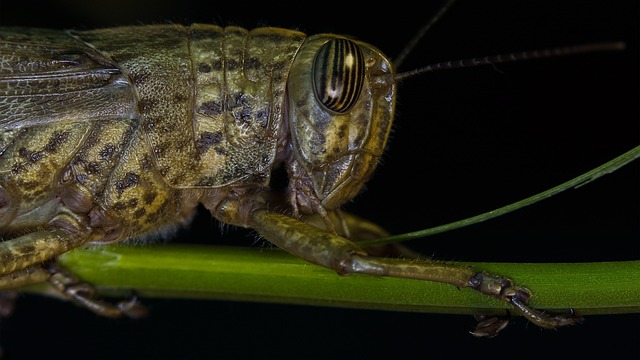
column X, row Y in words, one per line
column 338, row 74
column 352, row 78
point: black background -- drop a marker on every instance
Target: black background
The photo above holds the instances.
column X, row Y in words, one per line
column 464, row 142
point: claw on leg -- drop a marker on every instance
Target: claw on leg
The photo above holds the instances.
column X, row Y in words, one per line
column 489, row 326
column 545, row 320
column 83, row 294
column 503, row 289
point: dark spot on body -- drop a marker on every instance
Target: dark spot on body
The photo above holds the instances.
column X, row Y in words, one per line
column 78, row 160
column 180, row 98
column 216, row 65
column 168, row 126
column 119, row 206
column 18, row 168
column 239, row 99
column 239, row 172
column 129, row 180
column 92, row 167
column 152, row 218
column 252, row 63
column 342, row 131
column 220, row 150
column 241, row 106
column 211, row 108
column 145, row 105
column 204, row 68
column 139, row 213
column 146, row 163
column 262, row 116
column 36, row 156
column 56, row 140
column 107, row 152
column 158, row 151
column 244, row 115
column 148, row 197
column 27, row 249
column 31, row 156
column 91, row 138
column 123, row 205
column 208, row 139
column 232, row 64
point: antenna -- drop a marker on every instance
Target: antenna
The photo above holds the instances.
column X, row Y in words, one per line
column 511, row 57
column 420, row 34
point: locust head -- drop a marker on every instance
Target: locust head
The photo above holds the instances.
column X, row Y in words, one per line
column 340, row 111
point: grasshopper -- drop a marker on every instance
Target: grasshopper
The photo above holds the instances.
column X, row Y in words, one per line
column 97, row 182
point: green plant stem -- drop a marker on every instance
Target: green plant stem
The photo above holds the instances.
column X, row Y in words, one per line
column 271, row 275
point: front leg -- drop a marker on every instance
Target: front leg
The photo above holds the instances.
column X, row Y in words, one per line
column 343, row 256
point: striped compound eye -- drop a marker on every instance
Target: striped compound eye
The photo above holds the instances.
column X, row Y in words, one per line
column 338, row 74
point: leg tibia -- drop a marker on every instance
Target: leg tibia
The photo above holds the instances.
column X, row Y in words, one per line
column 457, row 275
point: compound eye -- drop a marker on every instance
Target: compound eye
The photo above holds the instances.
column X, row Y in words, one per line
column 338, row 74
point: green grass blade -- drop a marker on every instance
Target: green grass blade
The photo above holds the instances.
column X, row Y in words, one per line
column 578, row 181
column 271, row 275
